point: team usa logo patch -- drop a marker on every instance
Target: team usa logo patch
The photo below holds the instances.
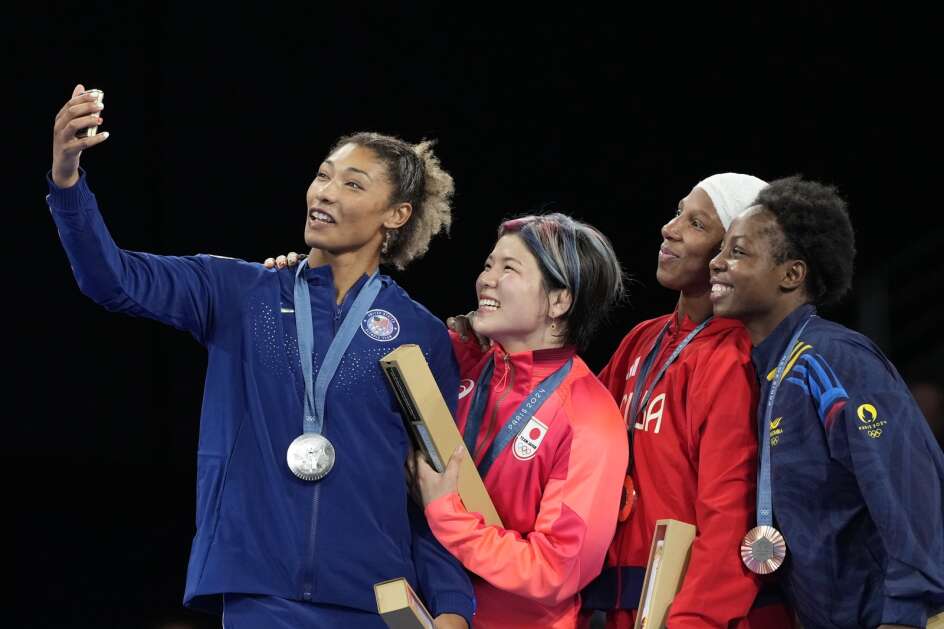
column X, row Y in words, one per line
column 380, row 325
column 529, row 439
column 465, row 387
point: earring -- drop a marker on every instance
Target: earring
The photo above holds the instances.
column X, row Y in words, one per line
column 389, row 237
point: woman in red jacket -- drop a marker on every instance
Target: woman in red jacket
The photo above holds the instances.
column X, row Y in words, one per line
column 546, row 436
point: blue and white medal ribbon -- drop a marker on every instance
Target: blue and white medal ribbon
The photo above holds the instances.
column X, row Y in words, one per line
column 764, row 549
column 311, row 456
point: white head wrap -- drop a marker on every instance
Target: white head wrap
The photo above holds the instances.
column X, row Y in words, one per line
column 731, row 193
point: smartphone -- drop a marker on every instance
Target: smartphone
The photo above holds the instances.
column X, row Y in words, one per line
column 90, row 131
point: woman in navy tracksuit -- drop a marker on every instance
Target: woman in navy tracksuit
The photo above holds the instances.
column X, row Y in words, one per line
column 272, row 549
column 856, row 478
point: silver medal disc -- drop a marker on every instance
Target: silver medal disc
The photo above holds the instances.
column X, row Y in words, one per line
column 763, row 549
column 310, row 456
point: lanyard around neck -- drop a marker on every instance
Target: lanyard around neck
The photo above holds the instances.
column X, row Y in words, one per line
column 315, row 393
column 516, row 421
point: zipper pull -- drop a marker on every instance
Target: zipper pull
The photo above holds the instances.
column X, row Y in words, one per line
column 503, row 381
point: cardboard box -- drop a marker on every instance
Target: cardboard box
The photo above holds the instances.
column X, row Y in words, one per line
column 400, row 607
column 668, row 559
column 431, row 425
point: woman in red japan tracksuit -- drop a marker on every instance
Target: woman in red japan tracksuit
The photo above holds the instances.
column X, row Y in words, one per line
column 546, row 436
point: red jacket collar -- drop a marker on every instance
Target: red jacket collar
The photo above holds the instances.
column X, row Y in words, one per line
column 534, row 364
column 683, row 324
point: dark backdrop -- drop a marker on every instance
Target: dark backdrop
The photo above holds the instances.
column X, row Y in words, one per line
column 220, row 116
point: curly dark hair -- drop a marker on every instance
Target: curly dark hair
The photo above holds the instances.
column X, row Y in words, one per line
column 815, row 228
column 418, row 179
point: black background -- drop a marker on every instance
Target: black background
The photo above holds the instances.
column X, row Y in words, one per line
column 219, row 117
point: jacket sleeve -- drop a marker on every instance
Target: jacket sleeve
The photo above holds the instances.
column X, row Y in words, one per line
column 718, row 589
column 875, row 427
column 442, row 362
column 443, row 581
column 575, row 521
column 178, row 291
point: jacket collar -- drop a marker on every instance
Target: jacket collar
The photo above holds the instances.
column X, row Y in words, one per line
column 529, row 367
column 767, row 355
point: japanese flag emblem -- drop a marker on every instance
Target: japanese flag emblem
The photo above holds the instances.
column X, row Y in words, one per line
column 529, row 439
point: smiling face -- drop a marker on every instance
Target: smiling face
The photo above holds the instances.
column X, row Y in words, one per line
column 689, row 241
column 748, row 283
column 349, row 202
column 513, row 302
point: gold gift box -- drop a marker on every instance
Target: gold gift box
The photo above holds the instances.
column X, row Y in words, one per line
column 431, row 425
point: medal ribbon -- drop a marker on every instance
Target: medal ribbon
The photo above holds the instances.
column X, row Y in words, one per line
column 636, row 403
column 514, row 425
column 765, row 514
column 315, row 395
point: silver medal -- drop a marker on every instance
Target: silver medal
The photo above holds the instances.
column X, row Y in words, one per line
column 310, row 456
